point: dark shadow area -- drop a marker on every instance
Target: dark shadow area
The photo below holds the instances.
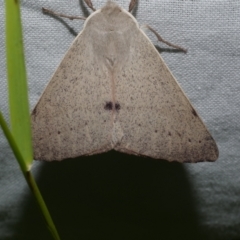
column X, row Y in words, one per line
column 84, row 9
column 113, row 196
column 168, row 50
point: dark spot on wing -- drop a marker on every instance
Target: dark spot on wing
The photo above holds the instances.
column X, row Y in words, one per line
column 59, row 132
column 178, row 134
column 108, row 106
column 117, row 106
column 34, row 112
column 189, row 140
column 169, row 134
column 209, row 138
column 111, row 106
column 194, row 112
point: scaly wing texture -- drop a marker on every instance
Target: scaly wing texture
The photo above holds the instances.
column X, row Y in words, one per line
column 156, row 118
column 69, row 120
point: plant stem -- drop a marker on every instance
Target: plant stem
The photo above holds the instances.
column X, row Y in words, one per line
column 29, row 178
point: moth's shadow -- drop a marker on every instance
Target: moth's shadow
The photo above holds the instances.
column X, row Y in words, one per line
column 113, row 196
column 168, row 50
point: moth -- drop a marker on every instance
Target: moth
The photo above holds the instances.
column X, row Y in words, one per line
column 113, row 90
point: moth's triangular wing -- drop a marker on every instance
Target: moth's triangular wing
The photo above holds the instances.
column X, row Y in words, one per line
column 156, row 118
column 68, row 120
column 113, row 90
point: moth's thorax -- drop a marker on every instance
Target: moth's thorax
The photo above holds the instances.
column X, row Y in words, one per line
column 111, row 30
column 111, row 18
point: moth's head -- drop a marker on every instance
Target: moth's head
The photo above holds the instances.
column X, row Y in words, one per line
column 111, row 17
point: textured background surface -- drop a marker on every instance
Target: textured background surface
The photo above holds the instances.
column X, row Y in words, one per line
column 117, row 196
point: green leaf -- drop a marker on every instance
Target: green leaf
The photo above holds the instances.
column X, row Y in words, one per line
column 19, row 137
column 17, row 82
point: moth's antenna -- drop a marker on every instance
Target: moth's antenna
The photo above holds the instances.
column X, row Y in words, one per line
column 132, row 5
column 47, row 11
column 90, row 5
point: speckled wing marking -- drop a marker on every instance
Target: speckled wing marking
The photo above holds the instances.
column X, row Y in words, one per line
column 156, row 117
column 69, row 120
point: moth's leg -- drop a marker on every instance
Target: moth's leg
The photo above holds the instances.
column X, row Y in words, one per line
column 90, row 5
column 164, row 41
column 47, row 11
column 132, row 5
